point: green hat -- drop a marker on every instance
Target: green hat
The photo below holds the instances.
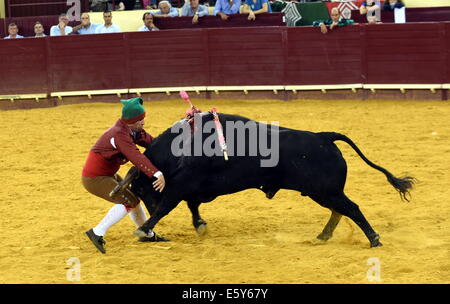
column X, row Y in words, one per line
column 132, row 110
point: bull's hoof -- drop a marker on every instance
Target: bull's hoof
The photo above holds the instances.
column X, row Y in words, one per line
column 270, row 194
column 375, row 241
column 324, row 237
column 202, row 229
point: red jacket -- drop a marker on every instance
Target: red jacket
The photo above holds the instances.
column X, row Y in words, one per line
column 116, row 147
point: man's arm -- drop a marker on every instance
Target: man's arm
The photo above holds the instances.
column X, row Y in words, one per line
column 185, row 9
column 126, row 146
column 54, row 31
column 174, row 12
column 203, row 10
column 217, row 7
column 264, row 9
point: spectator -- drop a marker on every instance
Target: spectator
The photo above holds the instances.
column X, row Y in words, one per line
column 390, row 5
column 39, row 30
column 223, row 8
column 62, row 28
column 148, row 23
column 255, row 7
column 371, row 9
column 85, row 27
column 13, row 31
column 336, row 20
column 192, row 8
column 165, row 10
column 108, row 27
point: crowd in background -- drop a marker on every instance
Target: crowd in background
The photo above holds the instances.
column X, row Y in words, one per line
column 196, row 10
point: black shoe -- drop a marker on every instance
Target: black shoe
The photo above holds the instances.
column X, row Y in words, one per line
column 154, row 238
column 97, row 240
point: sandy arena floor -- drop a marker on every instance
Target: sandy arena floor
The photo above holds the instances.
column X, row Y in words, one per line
column 45, row 210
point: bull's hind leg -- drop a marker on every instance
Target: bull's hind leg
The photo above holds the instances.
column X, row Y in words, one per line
column 197, row 221
column 342, row 204
column 328, row 230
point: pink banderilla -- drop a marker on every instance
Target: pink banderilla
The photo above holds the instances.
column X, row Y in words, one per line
column 219, row 129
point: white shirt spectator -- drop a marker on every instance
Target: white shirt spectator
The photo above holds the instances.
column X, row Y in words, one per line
column 55, row 31
column 9, row 37
column 146, row 29
column 102, row 29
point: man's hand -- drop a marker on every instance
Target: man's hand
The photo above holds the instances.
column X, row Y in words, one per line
column 224, row 16
column 251, row 16
column 195, row 19
column 159, row 183
column 323, row 28
column 333, row 26
column 61, row 25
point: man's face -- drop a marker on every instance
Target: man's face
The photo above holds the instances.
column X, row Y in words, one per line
column 38, row 29
column 107, row 17
column 335, row 15
column 164, row 7
column 85, row 19
column 64, row 19
column 194, row 4
column 137, row 126
column 148, row 20
column 13, row 30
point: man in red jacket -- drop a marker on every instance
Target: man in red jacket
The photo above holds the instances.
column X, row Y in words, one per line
column 114, row 148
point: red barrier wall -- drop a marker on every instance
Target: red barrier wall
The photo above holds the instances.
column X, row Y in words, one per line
column 314, row 58
column 23, row 66
column 410, row 53
column 385, row 53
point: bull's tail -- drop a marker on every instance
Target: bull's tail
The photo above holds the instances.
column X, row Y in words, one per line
column 402, row 184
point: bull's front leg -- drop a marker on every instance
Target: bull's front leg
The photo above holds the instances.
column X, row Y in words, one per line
column 164, row 207
column 197, row 221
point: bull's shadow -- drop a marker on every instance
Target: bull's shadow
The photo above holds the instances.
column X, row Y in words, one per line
column 307, row 162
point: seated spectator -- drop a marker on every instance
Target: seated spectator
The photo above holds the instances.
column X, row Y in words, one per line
column 371, row 9
column 390, row 5
column 108, row 27
column 192, row 8
column 62, row 28
column 223, row 8
column 13, row 31
column 336, row 20
column 148, row 23
column 39, row 30
column 255, row 7
column 85, row 27
column 165, row 10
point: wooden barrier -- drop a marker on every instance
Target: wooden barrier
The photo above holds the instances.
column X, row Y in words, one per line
column 389, row 56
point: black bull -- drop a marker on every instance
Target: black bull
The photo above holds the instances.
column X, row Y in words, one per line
column 308, row 162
